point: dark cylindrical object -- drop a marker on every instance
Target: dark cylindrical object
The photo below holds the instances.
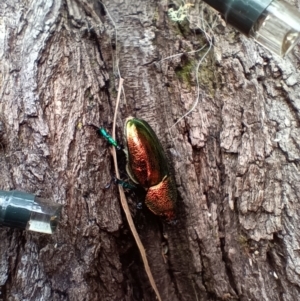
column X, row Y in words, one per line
column 242, row 14
column 25, row 211
column 272, row 23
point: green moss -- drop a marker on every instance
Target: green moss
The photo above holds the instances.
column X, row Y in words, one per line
column 243, row 241
column 207, row 78
column 184, row 72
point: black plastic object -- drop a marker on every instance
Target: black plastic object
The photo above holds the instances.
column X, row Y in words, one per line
column 23, row 210
column 14, row 208
column 242, row 14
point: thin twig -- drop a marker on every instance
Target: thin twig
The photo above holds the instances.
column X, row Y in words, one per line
column 124, row 201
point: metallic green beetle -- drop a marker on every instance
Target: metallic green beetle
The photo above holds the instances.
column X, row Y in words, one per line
column 147, row 165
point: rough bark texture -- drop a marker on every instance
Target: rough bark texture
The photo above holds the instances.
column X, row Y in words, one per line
column 236, row 156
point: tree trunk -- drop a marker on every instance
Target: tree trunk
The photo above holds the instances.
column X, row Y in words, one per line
column 235, row 156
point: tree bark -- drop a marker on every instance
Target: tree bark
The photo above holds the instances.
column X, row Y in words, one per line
column 235, row 156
